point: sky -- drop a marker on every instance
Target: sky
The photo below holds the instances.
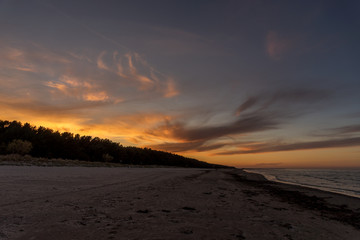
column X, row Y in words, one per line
column 241, row 83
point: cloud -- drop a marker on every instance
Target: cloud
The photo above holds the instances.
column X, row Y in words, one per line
column 301, row 95
column 25, row 69
column 135, row 125
column 256, row 114
column 170, row 89
column 145, row 82
column 73, row 87
column 346, row 129
column 96, row 96
column 63, row 77
column 177, row 147
column 83, row 85
column 39, row 108
column 80, row 57
column 277, row 45
column 83, row 91
column 198, row 146
column 247, row 124
column 132, row 69
column 274, row 147
column 30, row 58
column 283, row 100
column 100, row 62
column 246, row 105
column 206, row 138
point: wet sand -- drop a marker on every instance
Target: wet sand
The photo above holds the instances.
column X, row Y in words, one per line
column 166, row 203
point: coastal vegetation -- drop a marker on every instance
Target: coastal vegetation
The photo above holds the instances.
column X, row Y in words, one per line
column 42, row 142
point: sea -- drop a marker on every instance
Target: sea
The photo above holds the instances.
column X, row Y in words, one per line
column 343, row 181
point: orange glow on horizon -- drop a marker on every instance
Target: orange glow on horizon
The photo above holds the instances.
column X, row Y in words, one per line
column 131, row 130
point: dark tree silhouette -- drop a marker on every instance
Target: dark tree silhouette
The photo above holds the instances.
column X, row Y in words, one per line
column 47, row 143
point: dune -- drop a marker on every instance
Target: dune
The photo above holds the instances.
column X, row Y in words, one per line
column 166, row 203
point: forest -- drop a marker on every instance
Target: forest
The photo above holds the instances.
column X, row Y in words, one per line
column 26, row 139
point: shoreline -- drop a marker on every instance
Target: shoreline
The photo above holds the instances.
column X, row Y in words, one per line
column 305, row 189
column 329, row 203
column 301, row 185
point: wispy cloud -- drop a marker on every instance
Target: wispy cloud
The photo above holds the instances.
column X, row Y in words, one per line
column 346, row 136
column 277, row 147
column 283, row 100
column 73, row 87
column 100, row 63
column 135, row 71
column 74, row 75
column 247, row 124
column 39, row 108
column 256, row 114
column 170, row 89
column 345, row 129
column 197, row 146
column 246, row 105
column 278, row 45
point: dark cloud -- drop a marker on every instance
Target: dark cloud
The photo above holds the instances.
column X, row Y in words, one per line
column 177, row 147
column 344, row 130
column 271, row 147
column 347, row 129
column 187, row 146
column 261, row 114
column 211, row 147
column 301, row 95
column 197, row 139
column 247, row 124
column 246, row 105
column 284, row 101
column 250, row 123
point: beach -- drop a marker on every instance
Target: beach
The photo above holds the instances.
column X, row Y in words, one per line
column 166, row 203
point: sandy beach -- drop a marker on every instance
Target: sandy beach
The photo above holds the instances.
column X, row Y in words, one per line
column 166, row 203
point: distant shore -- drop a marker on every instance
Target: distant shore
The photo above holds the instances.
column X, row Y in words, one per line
column 166, row 203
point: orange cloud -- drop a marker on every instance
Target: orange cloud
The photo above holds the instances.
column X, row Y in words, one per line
column 129, row 128
column 71, row 86
column 145, row 82
column 100, row 62
column 171, row 90
column 25, row 69
column 96, row 96
column 13, row 58
column 135, row 71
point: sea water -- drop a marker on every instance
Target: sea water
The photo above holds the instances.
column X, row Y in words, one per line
column 344, row 181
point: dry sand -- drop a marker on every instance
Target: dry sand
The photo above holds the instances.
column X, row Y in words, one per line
column 166, row 203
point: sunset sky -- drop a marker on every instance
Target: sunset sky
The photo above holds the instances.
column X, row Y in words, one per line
column 243, row 83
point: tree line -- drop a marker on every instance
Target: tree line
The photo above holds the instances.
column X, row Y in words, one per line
column 19, row 138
